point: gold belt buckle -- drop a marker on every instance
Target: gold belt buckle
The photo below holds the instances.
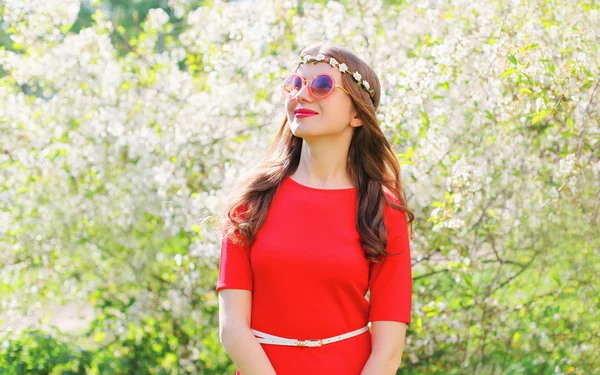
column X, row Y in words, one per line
column 304, row 342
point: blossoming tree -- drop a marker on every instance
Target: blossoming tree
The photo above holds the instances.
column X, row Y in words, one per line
column 116, row 150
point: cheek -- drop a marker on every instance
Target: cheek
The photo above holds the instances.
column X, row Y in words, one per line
column 290, row 111
column 338, row 113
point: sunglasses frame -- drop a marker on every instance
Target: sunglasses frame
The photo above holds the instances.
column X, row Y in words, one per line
column 287, row 95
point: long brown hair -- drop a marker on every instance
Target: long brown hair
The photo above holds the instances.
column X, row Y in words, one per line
column 372, row 165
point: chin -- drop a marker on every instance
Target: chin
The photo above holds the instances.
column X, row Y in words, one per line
column 297, row 129
column 302, row 131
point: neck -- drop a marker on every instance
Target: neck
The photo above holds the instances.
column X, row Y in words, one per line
column 324, row 164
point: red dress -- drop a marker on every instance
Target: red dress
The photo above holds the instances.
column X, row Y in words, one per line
column 309, row 279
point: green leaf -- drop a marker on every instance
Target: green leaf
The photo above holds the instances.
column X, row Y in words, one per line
column 99, row 336
column 516, row 337
column 424, row 118
column 512, row 59
column 261, row 95
column 531, row 46
column 468, row 279
column 508, row 72
column 538, row 118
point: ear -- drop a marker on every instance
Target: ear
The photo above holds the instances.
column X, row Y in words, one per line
column 356, row 121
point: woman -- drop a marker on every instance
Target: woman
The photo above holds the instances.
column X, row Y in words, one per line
column 321, row 221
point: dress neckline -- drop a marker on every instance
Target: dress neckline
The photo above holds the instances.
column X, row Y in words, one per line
column 306, row 187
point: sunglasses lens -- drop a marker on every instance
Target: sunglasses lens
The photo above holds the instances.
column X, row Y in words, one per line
column 321, row 86
column 292, row 84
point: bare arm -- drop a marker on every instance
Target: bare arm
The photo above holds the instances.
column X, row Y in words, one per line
column 235, row 306
column 388, row 339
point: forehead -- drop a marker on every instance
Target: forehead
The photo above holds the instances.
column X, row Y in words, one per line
column 309, row 70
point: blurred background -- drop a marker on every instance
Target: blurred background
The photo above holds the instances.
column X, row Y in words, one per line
column 124, row 123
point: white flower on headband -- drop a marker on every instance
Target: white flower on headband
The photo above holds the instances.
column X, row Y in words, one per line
column 320, row 57
column 343, row 67
column 366, row 84
column 333, row 62
column 357, row 76
column 306, row 58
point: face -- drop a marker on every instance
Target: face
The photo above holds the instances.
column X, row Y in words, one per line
column 335, row 113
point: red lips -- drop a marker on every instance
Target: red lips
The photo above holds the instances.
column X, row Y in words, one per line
column 305, row 111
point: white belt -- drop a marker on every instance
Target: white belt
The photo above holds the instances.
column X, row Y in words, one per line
column 265, row 338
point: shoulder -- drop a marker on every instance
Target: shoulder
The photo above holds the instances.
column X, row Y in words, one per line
column 395, row 218
column 391, row 196
column 389, row 209
column 234, row 214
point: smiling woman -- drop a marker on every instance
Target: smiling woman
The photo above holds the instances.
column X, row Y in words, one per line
column 321, row 223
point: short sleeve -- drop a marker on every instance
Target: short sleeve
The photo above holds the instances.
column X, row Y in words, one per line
column 391, row 279
column 235, row 270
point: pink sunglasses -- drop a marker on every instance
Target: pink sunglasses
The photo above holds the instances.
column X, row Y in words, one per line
column 320, row 87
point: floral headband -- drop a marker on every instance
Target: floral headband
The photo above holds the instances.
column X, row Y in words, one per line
column 342, row 68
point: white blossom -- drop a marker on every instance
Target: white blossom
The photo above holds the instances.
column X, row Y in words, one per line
column 156, row 19
column 95, row 142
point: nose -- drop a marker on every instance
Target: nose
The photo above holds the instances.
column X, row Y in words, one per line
column 303, row 94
